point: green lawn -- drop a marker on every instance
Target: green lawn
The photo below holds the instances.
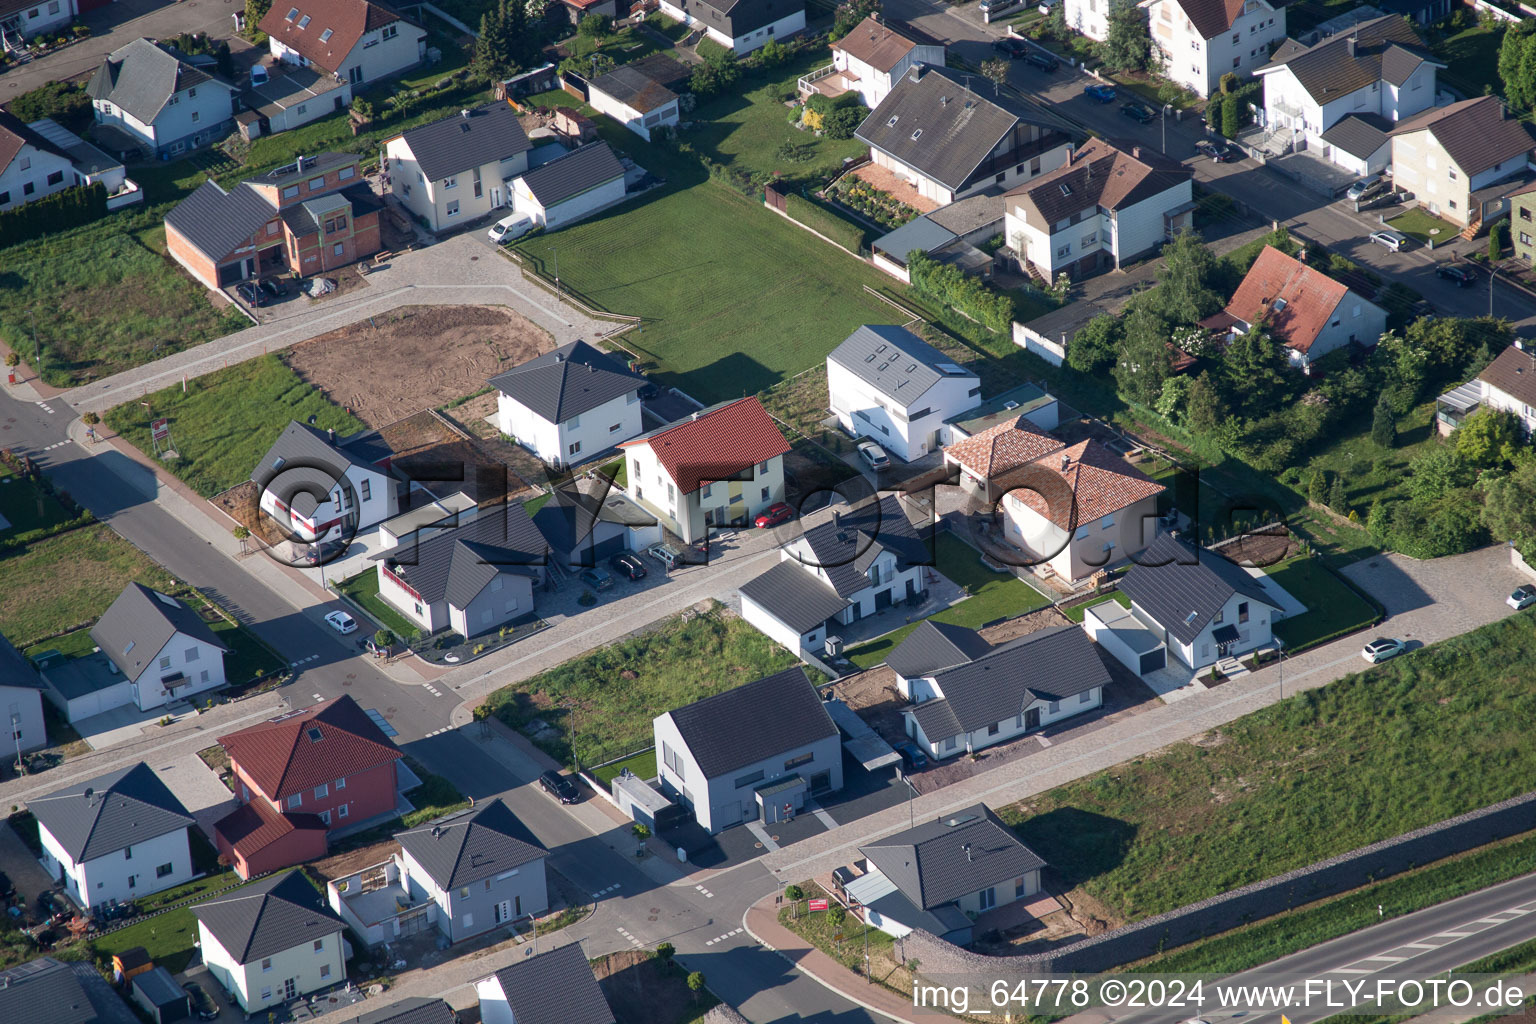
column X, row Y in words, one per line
column 26, row 506
column 1333, row 606
column 624, row 46
column 1420, row 224
column 167, row 937
column 226, row 420
column 642, row 765
column 609, row 696
column 994, row 595
column 68, row 579
column 1431, row 735
column 1368, row 470
column 1075, row 612
column 1472, row 59
column 435, row 797
column 364, row 589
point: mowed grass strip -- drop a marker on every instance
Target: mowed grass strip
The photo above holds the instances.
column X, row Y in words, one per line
column 65, row 580
column 1439, row 732
column 228, row 419
column 1333, row 606
column 608, row 697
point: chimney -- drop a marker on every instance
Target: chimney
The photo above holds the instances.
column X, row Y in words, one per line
column 1351, row 43
column 694, row 416
column 437, row 832
column 1136, row 152
column 464, row 113
column 837, row 518
column 559, row 357
column 90, row 795
column 967, row 849
column 1520, row 344
column 1066, row 460
column 915, row 73
column 299, row 164
column 331, row 436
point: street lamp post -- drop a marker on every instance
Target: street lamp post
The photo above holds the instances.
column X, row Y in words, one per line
column 1493, row 272
column 555, row 251
column 37, row 350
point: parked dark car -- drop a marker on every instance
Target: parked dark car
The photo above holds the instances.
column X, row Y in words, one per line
column 202, row 1003
column 1043, row 61
column 628, row 565
column 1010, row 46
column 324, row 553
column 1101, row 92
column 559, row 786
column 912, row 755
column 274, row 287
column 1462, row 276
column 1217, row 151
column 249, row 292
column 1139, row 112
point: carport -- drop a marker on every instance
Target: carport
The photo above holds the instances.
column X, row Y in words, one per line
column 861, row 742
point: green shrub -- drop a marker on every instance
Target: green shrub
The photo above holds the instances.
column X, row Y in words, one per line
column 59, row 212
column 65, row 102
column 968, row 295
column 823, row 221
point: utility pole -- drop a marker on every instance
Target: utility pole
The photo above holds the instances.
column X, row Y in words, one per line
column 1493, row 272
column 555, row 251
column 37, row 367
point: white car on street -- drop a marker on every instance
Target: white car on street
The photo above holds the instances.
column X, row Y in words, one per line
column 1382, row 648
column 1523, row 597
column 341, row 622
column 508, row 228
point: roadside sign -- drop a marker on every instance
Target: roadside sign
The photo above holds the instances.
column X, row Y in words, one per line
column 838, row 937
column 160, row 430
column 817, row 905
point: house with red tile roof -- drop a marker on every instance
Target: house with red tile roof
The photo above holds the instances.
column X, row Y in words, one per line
column 355, row 41
column 300, row 776
column 985, row 456
column 720, row 467
column 1305, row 310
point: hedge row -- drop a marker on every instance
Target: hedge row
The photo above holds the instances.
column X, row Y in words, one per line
column 823, row 221
column 949, row 285
column 59, row 212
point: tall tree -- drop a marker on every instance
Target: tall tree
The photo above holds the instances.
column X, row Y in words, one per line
column 255, row 10
column 1143, row 362
column 1095, row 345
column 1516, row 64
column 1254, row 372
column 1205, row 412
column 849, row 15
column 1127, row 44
column 1184, row 294
column 503, row 32
column 1383, row 423
column 1509, row 505
column 1489, row 439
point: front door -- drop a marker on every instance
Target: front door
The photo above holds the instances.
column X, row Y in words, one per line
column 290, row 988
column 1031, row 719
column 503, row 911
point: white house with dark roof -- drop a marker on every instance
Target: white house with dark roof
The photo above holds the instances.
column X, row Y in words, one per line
column 351, row 41
column 162, row 647
column 634, row 99
column 1379, row 67
column 569, row 405
column 21, row 703
column 477, row 869
column 849, row 562
column 967, row 695
column 1508, row 384
column 571, row 187
column 31, row 166
column 148, row 96
column 21, row 20
column 740, row 25
column 1447, row 157
column 755, row 753
column 1201, row 40
column 888, row 383
column 459, row 168
column 943, row 876
column 315, row 488
column 118, row 836
column 272, row 941
column 945, row 137
column 553, row 987
column 871, row 58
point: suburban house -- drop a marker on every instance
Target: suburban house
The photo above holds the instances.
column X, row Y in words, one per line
column 316, row 489
column 1305, row 310
column 459, row 168
column 116, row 837
column 1380, row 67
column 1198, row 604
column 414, row 1010
column 967, row 695
column 146, row 96
column 21, row 703
column 1048, row 336
column 305, row 219
column 1201, row 40
column 633, row 98
column 1522, row 213
column 986, row 459
column 52, row 990
column 755, row 753
column 1104, row 207
column 947, row 140
column 91, row 165
column 739, row 25
column 871, row 58
column 570, row 187
column 942, row 876
column 471, row 579
column 271, row 941
column 299, row 775
column 280, row 96
column 585, row 528
column 1079, row 510
column 31, row 166
column 554, row 987
column 719, row 467
column 1454, row 159
column 1508, row 384
column 847, row 563
column 20, row 20
column 475, row 869
column 353, row 41
column 888, row 383
column 569, row 405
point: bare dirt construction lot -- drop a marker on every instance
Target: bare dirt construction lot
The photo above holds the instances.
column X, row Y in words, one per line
column 434, row 354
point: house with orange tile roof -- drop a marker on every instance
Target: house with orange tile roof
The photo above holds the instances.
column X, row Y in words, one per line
column 984, row 457
column 353, row 41
column 1305, row 310
column 871, row 58
column 719, row 467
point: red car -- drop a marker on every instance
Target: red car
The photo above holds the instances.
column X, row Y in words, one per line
column 775, row 514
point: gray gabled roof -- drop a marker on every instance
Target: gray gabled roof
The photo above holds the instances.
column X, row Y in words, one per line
column 940, row 861
column 567, row 382
column 279, row 912
column 488, row 133
column 471, row 847
column 455, row 565
column 141, row 622
column 896, row 362
column 157, row 985
column 49, row 990
column 415, row 1010
column 1359, row 135
column 128, row 806
column 141, row 76
column 794, row 596
column 738, row 18
column 757, row 720
column 303, row 463
column 933, row 646
column 1050, row 665
column 219, row 222
column 556, row 987
column 635, row 89
column 845, row 541
column 580, row 170
column 1182, row 587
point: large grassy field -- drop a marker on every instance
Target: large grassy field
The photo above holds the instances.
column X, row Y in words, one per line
column 228, row 419
column 65, row 580
column 608, row 697
column 1437, row 733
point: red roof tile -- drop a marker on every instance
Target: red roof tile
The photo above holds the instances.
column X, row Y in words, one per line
column 283, row 757
column 253, row 827
column 716, row 444
column 1008, row 445
column 1296, row 299
column 347, row 20
column 1102, row 482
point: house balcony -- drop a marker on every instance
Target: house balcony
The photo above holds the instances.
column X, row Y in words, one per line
column 828, row 81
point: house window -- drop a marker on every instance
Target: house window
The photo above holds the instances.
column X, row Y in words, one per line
column 1237, row 37
column 1085, row 698
column 325, row 816
column 451, row 182
column 389, row 31
column 477, row 182
column 295, row 800
column 340, row 249
column 994, row 729
column 319, row 945
column 615, row 428
column 1237, row 62
column 464, row 893
column 322, row 791
column 266, row 965
column 341, row 812
column 325, row 970
column 951, row 743
column 762, row 467
column 165, row 662
column 127, row 853
column 798, row 760
column 196, row 116
column 1451, row 203
column 670, row 758
column 341, row 783
column 1242, row 611
column 367, row 489
column 325, row 36
column 765, row 494
column 987, row 898
column 1054, row 706
column 345, row 173
column 266, row 992
column 1525, row 239
column 1525, row 212
column 573, row 448
column 1018, row 888
column 453, row 208
column 1065, row 250
column 55, row 177
column 290, row 191
column 5, row 198
column 749, row 778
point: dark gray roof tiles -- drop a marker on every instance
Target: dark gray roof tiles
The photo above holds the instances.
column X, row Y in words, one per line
column 794, row 596
column 455, row 565
column 303, row 463
column 49, row 990
column 268, row 916
column 1385, row 49
column 489, row 133
column 1050, row 665
column 567, row 382
column 754, row 721
column 415, row 1010
column 895, row 361
column 141, row 622
column 933, row 646
column 845, row 541
column 142, row 76
column 940, row 861
column 130, row 805
column 556, row 987
column 471, row 847
column 1182, row 587
column 580, row 170
column 737, row 18
column 219, row 222
column 635, row 89
column 1359, row 135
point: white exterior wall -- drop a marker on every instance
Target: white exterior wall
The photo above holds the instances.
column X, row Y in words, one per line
column 573, row 209
column 1198, row 63
column 875, row 85
column 1140, row 228
column 380, row 504
column 33, row 166
column 943, row 195
column 592, row 431
column 189, row 122
column 1126, row 532
column 686, row 514
column 446, row 207
column 1088, row 17
column 1122, row 234
column 1311, row 119
column 765, row 622
column 46, row 16
column 256, row 988
column 629, row 117
column 863, row 409
column 430, row 617
column 187, row 655
column 1253, row 634
column 116, row 876
column 1422, row 166
column 374, row 56
column 939, row 747
column 21, row 710
column 1505, row 402
column 1356, row 318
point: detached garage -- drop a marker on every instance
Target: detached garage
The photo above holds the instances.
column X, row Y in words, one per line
column 789, row 605
column 1116, row 629
column 571, row 187
column 85, row 686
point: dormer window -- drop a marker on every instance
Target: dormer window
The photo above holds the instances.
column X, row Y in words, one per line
column 325, row 36
column 293, row 12
column 314, row 735
column 304, row 22
column 917, row 135
column 892, row 122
